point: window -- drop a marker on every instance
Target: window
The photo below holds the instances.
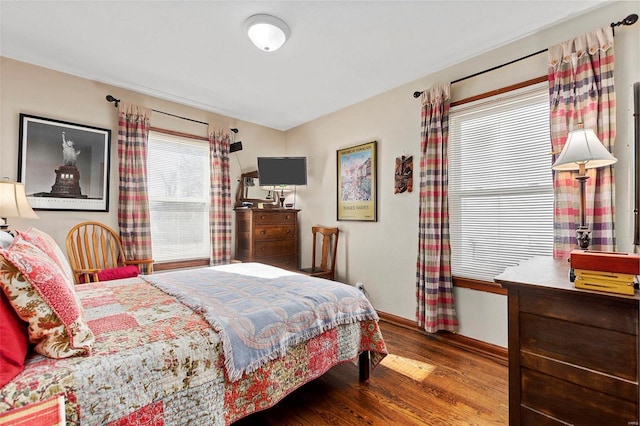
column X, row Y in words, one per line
column 178, row 181
column 500, row 182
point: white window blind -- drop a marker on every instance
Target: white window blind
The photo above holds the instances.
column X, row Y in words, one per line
column 500, row 182
column 179, row 200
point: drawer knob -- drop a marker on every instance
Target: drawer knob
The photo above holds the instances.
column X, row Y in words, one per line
column 263, row 232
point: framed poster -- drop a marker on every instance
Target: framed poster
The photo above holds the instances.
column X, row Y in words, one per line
column 64, row 166
column 357, row 188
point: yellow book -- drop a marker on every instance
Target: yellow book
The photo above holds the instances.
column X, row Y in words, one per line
column 605, row 281
column 608, row 276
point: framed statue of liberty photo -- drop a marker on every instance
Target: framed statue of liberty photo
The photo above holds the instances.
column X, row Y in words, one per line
column 357, row 183
column 63, row 165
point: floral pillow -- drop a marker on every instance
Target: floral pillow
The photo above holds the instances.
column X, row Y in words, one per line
column 44, row 242
column 42, row 295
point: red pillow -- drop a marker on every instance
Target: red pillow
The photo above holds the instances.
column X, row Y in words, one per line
column 15, row 341
column 117, row 273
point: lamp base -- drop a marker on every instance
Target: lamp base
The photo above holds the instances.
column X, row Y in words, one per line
column 583, row 237
column 4, row 227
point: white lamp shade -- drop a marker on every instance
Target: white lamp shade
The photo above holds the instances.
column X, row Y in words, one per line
column 267, row 32
column 13, row 201
column 583, row 147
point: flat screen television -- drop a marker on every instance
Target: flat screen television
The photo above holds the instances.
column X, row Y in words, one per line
column 282, row 171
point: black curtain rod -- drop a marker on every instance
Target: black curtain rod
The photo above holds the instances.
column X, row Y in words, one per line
column 629, row 20
column 499, row 66
column 117, row 101
column 178, row 116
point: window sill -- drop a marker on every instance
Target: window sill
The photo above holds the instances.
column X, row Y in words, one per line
column 478, row 285
column 180, row 264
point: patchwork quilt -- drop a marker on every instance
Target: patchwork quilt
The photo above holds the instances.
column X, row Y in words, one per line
column 155, row 361
column 259, row 318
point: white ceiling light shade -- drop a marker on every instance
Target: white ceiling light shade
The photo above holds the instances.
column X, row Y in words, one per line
column 267, row 32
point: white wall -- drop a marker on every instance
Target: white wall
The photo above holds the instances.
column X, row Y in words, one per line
column 42, row 92
column 383, row 255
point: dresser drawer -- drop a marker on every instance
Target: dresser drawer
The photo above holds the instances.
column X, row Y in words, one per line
column 607, row 351
column 573, row 404
column 582, row 308
column 274, row 232
column 275, row 248
column 594, row 380
column 273, row 218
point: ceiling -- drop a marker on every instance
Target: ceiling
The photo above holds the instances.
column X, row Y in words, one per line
column 196, row 52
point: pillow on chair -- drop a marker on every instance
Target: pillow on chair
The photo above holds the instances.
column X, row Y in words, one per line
column 110, row 274
column 117, row 273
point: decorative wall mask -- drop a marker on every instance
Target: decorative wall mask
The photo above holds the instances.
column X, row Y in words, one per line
column 404, row 174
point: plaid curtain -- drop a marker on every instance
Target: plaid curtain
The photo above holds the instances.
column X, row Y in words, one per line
column 434, row 286
column 133, row 202
column 581, row 91
column 220, row 214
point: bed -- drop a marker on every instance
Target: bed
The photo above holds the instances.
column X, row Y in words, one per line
column 189, row 347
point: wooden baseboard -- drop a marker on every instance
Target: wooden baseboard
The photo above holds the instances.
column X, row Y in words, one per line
column 495, row 352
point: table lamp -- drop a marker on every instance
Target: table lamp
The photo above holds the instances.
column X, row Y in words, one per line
column 282, row 189
column 583, row 150
column 13, row 203
column 278, row 193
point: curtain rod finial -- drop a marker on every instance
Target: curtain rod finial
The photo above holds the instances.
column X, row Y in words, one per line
column 417, row 94
column 629, row 20
column 110, row 98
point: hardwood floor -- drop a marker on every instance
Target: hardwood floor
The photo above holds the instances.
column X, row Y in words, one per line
column 423, row 381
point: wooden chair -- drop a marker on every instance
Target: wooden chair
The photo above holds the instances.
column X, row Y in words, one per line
column 93, row 248
column 323, row 270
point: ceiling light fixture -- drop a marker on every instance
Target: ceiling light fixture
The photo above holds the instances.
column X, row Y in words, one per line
column 267, row 32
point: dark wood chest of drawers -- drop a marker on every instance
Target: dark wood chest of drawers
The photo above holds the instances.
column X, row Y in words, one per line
column 573, row 354
column 267, row 236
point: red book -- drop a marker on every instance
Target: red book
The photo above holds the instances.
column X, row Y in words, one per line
column 621, row 263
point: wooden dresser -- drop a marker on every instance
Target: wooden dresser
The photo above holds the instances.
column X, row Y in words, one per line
column 268, row 236
column 573, row 354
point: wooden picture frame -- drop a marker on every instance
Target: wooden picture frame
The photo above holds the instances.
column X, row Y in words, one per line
column 636, row 131
column 357, row 183
column 63, row 165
